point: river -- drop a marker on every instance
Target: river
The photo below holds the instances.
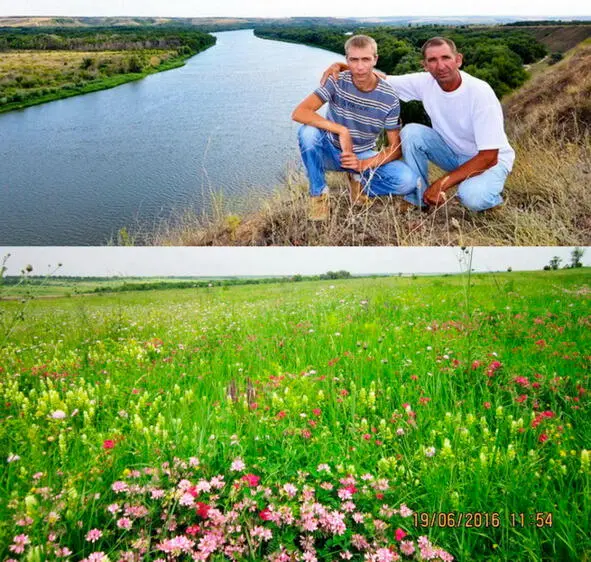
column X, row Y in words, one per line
column 75, row 171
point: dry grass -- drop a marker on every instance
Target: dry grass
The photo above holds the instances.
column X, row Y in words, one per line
column 547, row 203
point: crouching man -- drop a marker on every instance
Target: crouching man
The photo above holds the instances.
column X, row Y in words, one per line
column 360, row 106
column 467, row 139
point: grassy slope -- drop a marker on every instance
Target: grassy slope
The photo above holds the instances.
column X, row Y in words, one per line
column 398, row 347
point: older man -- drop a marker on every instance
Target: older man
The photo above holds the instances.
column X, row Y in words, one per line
column 467, row 139
column 360, row 106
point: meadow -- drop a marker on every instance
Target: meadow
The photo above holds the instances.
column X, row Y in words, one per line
column 402, row 418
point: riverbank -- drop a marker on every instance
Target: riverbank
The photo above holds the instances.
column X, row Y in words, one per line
column 48, row 64
column 45, row 92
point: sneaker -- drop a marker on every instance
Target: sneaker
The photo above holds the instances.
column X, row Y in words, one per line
column 356, row 192
column 319, row 207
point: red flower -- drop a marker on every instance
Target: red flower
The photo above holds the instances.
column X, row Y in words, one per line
column 265, row 514
column 192, row 530
column 281, row 414
column 108, row 444
column 317, row 411
column 487, row 405
column 203, row 509
column 521, row 398
column 543, row 438
column 399, row 534
column 251, row 480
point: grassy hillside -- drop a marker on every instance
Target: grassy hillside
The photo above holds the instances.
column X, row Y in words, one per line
column 301, row 421
column 559, row 38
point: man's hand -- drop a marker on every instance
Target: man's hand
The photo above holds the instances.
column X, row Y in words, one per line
column 333, row 70
column 435, row 194
column 350, row 161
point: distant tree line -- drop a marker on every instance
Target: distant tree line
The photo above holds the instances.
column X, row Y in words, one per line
column 187, row 41
column 496, row 55
column 576, row 257
column 105, row 284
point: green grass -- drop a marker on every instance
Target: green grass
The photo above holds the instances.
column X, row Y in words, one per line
column 74, row 89
column 365, row 375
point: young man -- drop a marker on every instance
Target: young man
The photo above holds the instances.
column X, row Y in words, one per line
column 467, row 139
column 360, row 106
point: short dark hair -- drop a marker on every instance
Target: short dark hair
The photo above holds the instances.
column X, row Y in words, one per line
column 437, row 42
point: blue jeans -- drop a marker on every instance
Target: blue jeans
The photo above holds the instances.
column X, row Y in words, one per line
column 422, row 144
column 320, row 155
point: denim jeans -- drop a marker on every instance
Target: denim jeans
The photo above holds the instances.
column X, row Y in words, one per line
column 422, row 144
column 320, row 155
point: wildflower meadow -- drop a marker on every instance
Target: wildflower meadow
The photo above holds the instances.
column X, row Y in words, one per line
column 425, row 418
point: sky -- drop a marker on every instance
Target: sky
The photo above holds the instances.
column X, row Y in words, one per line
column 279, row 8
column 225, row 261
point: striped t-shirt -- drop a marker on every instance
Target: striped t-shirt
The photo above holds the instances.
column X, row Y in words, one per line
column 365, row 114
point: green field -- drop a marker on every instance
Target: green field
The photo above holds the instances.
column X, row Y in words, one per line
column 362, row 419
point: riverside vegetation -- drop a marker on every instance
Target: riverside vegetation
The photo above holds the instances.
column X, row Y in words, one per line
column 362, row 419
column 44, row 64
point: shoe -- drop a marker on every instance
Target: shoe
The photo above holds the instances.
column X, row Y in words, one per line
column 319, row 207
column 356, row 192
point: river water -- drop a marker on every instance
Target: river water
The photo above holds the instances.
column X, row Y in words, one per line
column 75, row 171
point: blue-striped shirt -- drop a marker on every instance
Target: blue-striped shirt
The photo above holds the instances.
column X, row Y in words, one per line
column 365, row 114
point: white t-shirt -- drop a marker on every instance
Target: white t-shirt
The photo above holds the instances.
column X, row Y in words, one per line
column 469, row 119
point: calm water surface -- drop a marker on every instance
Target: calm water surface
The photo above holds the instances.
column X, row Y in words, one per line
column 74, row 171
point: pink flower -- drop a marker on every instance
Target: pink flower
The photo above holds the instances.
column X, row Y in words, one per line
column 237, row 465
column 405, row 511
column 108, row 444
column 119, row 486
column 124, row 523
column 94, row 535
column 399, row 534
column 251, row 480
column 20, row 542
column 385, row 555
column 487, row 405
column 406, row 547
column 290, row 490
